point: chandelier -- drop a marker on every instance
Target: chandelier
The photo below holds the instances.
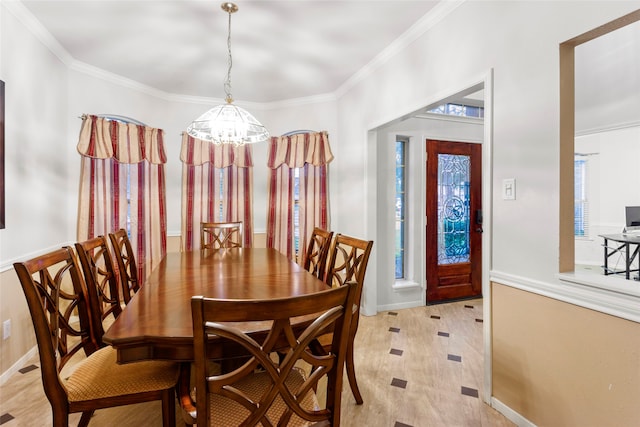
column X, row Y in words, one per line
column 228, row 123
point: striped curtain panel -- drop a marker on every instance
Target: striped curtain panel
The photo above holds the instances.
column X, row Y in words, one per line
column 311, row 153
column 120, row 162
column 217, row 186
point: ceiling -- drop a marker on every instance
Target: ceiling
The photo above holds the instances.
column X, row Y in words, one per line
column 287, row 49
column 281, row 49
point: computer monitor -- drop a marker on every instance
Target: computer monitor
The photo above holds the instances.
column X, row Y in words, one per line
column 632, row 218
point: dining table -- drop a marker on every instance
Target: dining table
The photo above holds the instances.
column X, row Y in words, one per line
column 156, row 324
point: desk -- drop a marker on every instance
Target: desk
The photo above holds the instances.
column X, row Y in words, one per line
column 156, row 324
column 624, row 243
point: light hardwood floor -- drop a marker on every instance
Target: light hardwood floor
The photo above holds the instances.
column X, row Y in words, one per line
column 415, row 367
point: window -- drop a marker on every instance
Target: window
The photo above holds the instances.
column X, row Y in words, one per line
column 296, row 211
column 298, row 191
column 459, row 110
column 581, row 209
column 400, row 208
column 126, row 168
column 220, row 198
column 122, row 185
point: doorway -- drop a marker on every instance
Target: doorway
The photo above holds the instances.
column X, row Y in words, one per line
column 434, row 121
column 454, row 221
column 417, row 124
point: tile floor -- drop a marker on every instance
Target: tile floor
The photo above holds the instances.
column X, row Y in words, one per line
column 415, row 367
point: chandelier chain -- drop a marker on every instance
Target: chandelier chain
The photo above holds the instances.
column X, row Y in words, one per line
column 227, row 123
column 227, row 83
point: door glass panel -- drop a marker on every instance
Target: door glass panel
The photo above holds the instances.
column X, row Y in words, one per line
column 453, row 208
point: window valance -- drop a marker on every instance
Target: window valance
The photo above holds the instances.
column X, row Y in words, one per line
column 296, row 150
column 102, row 138
column 196, row 152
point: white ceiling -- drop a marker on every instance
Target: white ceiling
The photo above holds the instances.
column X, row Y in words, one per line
column 290, row 49
column 281, row 49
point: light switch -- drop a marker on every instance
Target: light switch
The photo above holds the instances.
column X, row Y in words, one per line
column 509, row 189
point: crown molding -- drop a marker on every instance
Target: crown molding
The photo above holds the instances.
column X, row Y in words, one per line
column 608, row 128
column 99, row 73
column 22, row 14
column 428, row 21
column 297, row 102
column 434, row 16
column 90, row 70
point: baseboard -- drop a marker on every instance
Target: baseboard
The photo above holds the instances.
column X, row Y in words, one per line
column 18, row 365
column 510, row 414
column 400, row 306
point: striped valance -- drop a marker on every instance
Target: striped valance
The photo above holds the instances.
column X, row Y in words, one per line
column 196, row 152
column 296, row 150
column 102, row 138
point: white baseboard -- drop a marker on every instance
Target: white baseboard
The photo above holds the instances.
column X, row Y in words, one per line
column 511, row 415
column 400, row 306
column 18, row 365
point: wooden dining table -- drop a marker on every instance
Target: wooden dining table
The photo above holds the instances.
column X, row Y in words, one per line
column 157, row 325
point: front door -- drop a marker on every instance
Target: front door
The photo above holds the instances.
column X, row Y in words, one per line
column 454, row 221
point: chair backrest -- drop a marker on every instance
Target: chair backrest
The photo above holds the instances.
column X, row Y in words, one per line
column 126, row 262
column 324, row 310
column 348, row 262
column 217, row 235
column 56, row 296
column 315, row 260
column 101, row 280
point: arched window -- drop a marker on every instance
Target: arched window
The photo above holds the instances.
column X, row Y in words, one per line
column 122, row 185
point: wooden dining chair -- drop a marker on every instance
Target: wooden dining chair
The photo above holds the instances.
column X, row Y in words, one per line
column 217, row 235
column 315, row 258
column 268, row 390
column 348, row 262
column 100, row 277
column 58, row 302
column 126, row 262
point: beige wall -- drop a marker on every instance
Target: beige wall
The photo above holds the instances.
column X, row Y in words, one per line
column 13, row 306
column 558, row 364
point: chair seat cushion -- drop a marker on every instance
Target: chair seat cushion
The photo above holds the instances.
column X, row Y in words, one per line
column 100, row 376
column 225, row 412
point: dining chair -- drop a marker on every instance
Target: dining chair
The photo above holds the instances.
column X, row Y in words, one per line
column 58, row 302
column 315, row 258
column 100, row 277
column 265, row 389
column 216, row 235
column 126, row 262
column 348, row 262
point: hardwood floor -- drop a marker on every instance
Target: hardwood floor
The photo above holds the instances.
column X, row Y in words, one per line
column 415, row 367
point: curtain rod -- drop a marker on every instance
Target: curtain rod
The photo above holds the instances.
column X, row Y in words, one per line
column 116, row 117
column 295, row 132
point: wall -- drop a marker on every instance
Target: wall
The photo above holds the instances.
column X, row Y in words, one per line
column 518, row 42
column 557, row 364
column 38, row 203
column 525, row 117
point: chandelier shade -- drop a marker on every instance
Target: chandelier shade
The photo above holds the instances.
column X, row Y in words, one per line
column 228, row 123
